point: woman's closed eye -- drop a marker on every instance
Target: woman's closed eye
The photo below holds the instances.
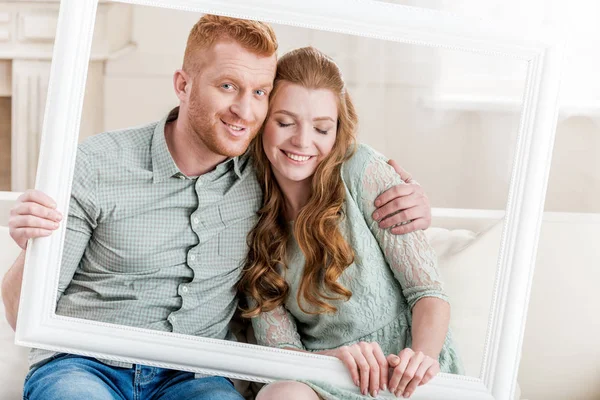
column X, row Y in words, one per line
column 283, row 124
column 322, row 131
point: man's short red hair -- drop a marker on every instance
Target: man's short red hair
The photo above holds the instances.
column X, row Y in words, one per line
column 255, row 36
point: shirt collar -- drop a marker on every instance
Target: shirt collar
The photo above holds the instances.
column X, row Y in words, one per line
column 163, row 165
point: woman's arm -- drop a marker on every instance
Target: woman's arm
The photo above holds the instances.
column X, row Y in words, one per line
column 414, row 264
column 430, row 320
column 409, row 256
column 277, row 328
column 365, row 361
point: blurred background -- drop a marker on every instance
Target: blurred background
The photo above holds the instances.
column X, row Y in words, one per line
column 448, row 117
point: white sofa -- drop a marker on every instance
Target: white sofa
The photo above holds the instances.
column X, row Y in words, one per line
column 13, row 359
column 463, row 255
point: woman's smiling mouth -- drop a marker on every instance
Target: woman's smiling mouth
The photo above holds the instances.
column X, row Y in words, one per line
column 297, row 158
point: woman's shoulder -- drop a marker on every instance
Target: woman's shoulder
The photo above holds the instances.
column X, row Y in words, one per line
column 354, row 168
column 363, row 157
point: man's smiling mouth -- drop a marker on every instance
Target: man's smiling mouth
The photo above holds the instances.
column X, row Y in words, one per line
column 234, row 127
column 235, row 130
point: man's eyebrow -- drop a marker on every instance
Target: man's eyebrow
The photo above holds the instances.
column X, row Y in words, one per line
column 227, row 75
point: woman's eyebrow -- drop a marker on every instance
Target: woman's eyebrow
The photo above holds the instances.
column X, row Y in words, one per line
column 291, row 114
column 323, row 119
column 286, row 112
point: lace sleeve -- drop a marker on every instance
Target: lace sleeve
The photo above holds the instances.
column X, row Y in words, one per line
column 276, row 328
column 410, row 256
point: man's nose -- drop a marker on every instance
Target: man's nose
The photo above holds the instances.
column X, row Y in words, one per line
column 242, row 107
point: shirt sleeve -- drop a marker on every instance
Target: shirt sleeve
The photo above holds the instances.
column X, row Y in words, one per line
column 277, row 328
column 81, row 221
column 410, row 256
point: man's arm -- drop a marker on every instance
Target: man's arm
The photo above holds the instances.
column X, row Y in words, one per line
column 35, row 215
column 11, row 290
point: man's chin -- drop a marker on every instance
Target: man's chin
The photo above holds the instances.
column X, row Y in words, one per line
column 228, row 146
column 234, row 151
column 235, row 148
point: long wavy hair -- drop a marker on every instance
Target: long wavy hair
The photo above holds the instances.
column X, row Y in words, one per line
column 316, row 227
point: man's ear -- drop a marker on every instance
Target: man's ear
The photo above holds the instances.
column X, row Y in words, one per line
column 181, row 84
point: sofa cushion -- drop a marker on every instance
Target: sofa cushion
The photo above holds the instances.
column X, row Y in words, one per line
column 468, row 264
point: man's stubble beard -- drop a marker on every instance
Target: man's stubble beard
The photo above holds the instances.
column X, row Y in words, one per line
column 206, row 131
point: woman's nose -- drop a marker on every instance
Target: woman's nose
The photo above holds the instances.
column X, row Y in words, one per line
column 302, row 138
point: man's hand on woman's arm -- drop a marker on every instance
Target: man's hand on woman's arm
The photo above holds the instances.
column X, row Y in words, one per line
column 408, row 203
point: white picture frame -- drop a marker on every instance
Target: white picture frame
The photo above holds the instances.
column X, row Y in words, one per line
column 38, row 325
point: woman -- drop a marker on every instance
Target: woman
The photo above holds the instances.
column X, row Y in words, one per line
column 321, row 275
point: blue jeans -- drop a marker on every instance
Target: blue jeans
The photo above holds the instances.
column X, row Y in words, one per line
column 70, row 377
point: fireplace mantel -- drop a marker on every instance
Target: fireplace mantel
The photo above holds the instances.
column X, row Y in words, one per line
column 27, row 30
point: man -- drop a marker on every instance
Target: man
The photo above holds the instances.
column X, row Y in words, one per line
column 158, row 220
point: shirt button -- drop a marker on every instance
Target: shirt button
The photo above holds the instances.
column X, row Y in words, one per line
column 173, row 318
column 192, row 257
column 196, row 221
column 182, row 177
column 184, row 289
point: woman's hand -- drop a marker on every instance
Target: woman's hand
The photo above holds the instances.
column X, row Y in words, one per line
column 410, row 370
column 367, row 365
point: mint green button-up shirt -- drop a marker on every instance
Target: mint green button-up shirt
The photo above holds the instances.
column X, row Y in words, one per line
column 149, row 247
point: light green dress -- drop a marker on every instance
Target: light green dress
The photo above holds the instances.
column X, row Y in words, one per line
column 389, row 275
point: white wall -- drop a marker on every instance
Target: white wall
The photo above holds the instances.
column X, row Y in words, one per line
column 409, row 102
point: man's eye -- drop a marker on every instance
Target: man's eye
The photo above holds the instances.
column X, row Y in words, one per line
column 227, row 86
column 261, row 92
